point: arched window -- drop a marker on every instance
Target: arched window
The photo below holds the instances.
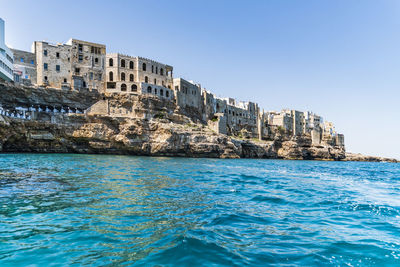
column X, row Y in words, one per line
column 133, row 88
column 161, row 92
column 122, row 76
column 123, row 87
column 122, row 63
column 155, row 81
column 161, row 71
column 131, row 65
column 110, row 62
column 144, row 66
column 131, row 77
column 110, row 75
column 149, row 89
column 146, row 79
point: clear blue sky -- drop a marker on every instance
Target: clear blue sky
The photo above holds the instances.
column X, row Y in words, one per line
column 340, row 59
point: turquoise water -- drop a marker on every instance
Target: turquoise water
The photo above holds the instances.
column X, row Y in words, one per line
column 102, row 210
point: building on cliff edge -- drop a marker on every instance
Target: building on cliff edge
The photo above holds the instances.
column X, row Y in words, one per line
column 82, row 65
column 6, row 57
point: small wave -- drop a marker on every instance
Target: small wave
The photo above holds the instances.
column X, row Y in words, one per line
column 190, row 251
column 271, row 199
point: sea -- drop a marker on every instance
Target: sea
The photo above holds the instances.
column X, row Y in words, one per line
column 107, row 210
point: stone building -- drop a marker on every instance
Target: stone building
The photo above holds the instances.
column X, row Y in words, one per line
column 298, row 127
column 282, row 120
column 311, row 121
column 6, row 57
column 126, row 74
column 209, row 103
column 24, row 67
column 76, row 65
column 188, row 94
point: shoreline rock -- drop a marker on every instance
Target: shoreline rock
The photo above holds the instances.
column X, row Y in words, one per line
column 140, row 125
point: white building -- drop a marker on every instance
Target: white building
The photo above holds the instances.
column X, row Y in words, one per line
column 6, row 57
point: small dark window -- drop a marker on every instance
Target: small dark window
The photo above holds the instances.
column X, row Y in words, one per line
column 167, row 93
column 111, row 85
column 156, row 70
column 77, row 71
column 155, row 90
column 65, row 80
column 45, row 66
column 131, row 65
column 146, row 79
column 45, row 78
column 80, row 58
column 96, row 60
column 152, row 69
column 122, row 76
column 123, row 87
column 110, row 76
column 110, row 62
column 161, row 92
column 45, row 52
column 57, row 55
column 131, row 77
column 80, row 47
column 57, row 67
column 144, row 66
column 155, row 81
column 161, row 71
column 122, row 63
column 133, row 88
column 149, row 89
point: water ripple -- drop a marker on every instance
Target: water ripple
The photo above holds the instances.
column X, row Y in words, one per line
column 121, row 211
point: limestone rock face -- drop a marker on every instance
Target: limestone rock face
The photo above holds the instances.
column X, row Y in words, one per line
column 154, row 137
column 136, row 125
column 359, row 157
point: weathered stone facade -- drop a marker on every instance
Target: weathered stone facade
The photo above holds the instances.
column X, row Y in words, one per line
column 126, row 74
column 75, row 65
column 188, row 93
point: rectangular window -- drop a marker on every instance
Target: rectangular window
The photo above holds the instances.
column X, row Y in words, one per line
column 77, row 71
column 57, row 55
column 80, row 58
column 45, row 66
column 32, row 62
column 91, row 75
column 80, row 47
column 57, row 67
column 22, row 59
column 45, row 52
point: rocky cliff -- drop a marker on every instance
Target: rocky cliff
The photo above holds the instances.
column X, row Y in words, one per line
column 139, row 125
